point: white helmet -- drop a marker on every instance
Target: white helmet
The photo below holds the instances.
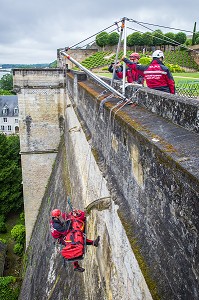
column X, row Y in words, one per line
column 158, row 54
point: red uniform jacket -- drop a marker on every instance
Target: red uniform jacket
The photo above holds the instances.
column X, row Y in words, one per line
column 156, row 74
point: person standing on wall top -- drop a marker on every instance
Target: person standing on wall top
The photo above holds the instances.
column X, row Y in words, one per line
column 134, row 76
column 131, row 75
column 62, row 227
column 118, row 70
column 156, row 74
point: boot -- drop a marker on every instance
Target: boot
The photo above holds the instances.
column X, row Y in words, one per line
column 79, row 269
column 96, row 242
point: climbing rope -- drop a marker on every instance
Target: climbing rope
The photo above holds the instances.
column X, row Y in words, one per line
column 90, row 37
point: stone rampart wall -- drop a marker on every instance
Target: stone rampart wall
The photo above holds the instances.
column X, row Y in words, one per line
column 153, row 165
column 146, row 164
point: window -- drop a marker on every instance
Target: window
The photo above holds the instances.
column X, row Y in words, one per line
column 16, row 120
column 9, row 127
column 16, row 110
column 2, row 127
column 5, row 110
column 5, row 120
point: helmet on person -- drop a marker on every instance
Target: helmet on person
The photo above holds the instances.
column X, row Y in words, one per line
column 56, row 213
column 158, row 54
column 135, row 55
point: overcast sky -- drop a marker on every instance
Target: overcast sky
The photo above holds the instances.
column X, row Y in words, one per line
column 32, row 31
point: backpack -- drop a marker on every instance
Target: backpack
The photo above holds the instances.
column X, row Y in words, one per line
column 75, row 239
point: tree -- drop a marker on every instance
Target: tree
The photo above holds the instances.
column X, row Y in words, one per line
column 113, row 38
column 5, row 92
column 10, row 174
column 169, row 38
column 188, row 42
column 194, row 33
column 102, row 39
column 6, row 82
column 197, row 38
column 147, row 39
column 180, row 37
column 158, row 38
column 134, row 39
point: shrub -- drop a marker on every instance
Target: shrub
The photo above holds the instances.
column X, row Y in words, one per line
column 175, row 68
column 145, row 60
column 22, row 217
column 3, row 241
column 18, row 249
column 3, row 228
column 9, row 288
column 105, row 69
column 18, row 233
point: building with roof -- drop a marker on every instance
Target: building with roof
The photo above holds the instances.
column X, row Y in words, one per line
column 9, row 114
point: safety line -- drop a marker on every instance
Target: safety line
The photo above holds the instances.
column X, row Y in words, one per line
column 92, row 36
column 139, row 22
column 167, row 39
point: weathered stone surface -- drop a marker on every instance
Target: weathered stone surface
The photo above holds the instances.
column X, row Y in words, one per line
column 179, row 110
column 41, row 114
column 46, row 276
column 148, row 166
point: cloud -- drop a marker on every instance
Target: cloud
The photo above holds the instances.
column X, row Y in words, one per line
column 31, row 32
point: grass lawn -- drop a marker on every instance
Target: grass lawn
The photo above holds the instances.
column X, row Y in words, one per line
column 186, row 76
column 176, row 76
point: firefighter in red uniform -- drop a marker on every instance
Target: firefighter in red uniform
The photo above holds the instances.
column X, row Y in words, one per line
column 135, row 76
column 156, row 74
column 61, row 226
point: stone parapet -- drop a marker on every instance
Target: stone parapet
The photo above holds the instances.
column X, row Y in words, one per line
column 179, row 110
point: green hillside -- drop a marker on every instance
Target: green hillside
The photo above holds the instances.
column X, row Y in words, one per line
column 174, row 59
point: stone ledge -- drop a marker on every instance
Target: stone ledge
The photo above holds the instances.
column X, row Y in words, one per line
column 39, row 152
column 179, row 110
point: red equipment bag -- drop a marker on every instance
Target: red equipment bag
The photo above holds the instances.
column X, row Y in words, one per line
column 75, row 238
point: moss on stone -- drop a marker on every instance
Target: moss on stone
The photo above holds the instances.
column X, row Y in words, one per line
column 66, row 174
column 54, row 286
column 95, row 154
column 139, row 257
